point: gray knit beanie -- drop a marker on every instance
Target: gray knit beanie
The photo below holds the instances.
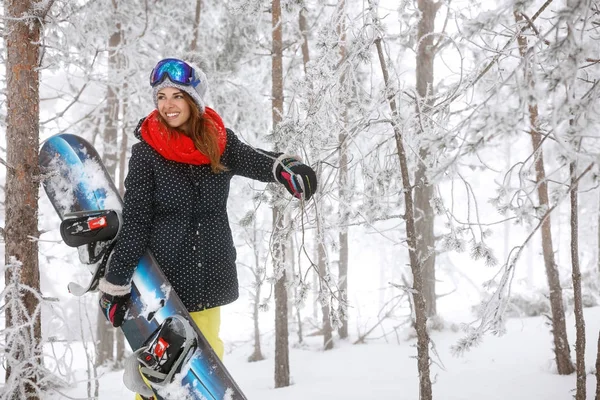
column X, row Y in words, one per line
column 197, row 93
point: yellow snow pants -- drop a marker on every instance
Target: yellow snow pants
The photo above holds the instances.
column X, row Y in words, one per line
column 209, row 322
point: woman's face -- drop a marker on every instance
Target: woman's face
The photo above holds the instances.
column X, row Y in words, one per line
column 173, row 108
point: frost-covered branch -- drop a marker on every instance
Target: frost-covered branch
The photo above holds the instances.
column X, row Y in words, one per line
column 386, row 312
column 73, row 102
column 21, row 351
column 491, row 316
column 501, row 52
column 42, row 8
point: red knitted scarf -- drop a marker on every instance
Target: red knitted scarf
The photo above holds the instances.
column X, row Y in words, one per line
column 179, row 147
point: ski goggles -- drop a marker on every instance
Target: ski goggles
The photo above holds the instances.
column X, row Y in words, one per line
column 177, row 71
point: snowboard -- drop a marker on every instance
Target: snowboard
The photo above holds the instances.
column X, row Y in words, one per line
column 172, row 352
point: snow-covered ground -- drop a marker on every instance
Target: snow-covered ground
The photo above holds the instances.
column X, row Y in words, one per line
column 517, row 366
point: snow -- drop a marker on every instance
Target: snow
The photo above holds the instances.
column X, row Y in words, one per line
column 174, row 390
column 98, row 182
column 152, row 301
column 60, row 183
column 518, row 366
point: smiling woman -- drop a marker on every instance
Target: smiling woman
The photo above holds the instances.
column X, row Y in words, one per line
column 176, row 199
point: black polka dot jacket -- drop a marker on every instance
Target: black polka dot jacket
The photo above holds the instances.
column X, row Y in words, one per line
column 179, row 211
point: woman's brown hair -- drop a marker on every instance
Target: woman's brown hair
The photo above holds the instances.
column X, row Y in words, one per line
column 203, row 133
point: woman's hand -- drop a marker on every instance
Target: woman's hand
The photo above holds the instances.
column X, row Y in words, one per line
column 113, row 301
column 299, row 179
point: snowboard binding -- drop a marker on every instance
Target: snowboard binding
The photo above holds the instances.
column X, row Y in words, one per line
column 95, row 230
column 167, row 350
column 94, row 234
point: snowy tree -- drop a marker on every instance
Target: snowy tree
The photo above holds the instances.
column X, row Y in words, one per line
column 24, row 374
column 424, row 189
column 344, row 189
column 282, row 363
column 423, row 360
column 561, row 343
column 540, row 88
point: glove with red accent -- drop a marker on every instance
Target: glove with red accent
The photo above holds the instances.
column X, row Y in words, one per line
column 113, row 301
column 299, row 179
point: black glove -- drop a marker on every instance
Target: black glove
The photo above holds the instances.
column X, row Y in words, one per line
column 298, row 178
column 114, row 304
column 114, row 308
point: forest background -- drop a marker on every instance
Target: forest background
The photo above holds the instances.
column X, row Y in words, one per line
column 456, row 145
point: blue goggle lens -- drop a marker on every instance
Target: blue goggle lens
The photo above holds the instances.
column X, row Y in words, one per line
column 176, row 70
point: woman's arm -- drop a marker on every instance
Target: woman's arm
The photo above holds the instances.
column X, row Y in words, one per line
column 247, row 161
column 138, row 215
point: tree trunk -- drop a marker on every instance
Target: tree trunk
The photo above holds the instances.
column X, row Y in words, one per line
column 424, row 215
column 299, row 322
column 559, row 328
column 598, row 369
column 302, row 24
column 579, row 321
column 105, row 331
column 124, row 140
column 598, row 238
column 315, row 285
column 327, row 329
column 282, row 358
column 105, row 337
column 322, row 265
column 257, row 354
column 22, row 32
column 297, row 314
column 196, row 28
column 344, row 192
column 423, row 360
column 304, row 32
column 110, row 154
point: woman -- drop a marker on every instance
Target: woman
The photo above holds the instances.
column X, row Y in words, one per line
column 176, row 197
